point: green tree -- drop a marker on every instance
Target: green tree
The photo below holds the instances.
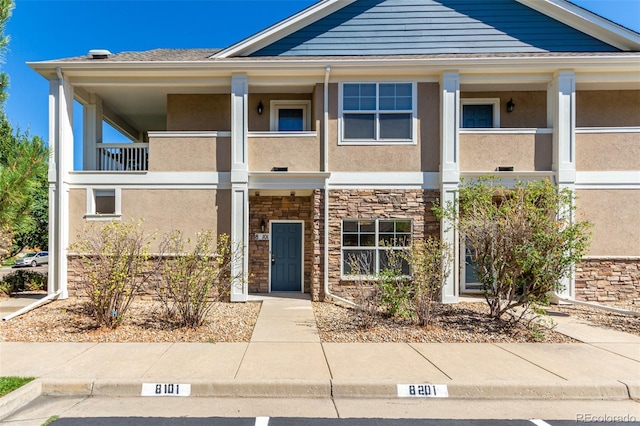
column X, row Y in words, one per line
column 23, row 168
column 523, row 240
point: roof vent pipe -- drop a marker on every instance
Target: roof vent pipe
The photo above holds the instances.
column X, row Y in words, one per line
column 99, row 54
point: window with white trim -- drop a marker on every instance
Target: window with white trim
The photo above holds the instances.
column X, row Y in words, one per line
column 378, row 112
column 366, row 244
column 290, row 116
column 480, row 113
column 103, row 203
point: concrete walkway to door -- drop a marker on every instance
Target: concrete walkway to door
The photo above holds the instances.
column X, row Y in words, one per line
column 285, row 318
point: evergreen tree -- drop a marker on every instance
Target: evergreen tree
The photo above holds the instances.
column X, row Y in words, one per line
column 23, row 168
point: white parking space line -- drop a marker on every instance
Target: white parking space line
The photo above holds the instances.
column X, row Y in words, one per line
column 262, row 421
column 539, row 422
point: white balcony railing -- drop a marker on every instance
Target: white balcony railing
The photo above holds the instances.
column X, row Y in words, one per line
column 122, row 157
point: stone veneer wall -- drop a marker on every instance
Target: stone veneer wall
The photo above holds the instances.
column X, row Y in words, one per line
column 376, row 204
column 277, row 208
column 608, row 280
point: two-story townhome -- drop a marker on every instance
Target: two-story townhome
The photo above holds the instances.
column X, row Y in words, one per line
column 335, row 130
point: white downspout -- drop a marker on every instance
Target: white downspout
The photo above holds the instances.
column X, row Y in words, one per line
column 34, row 305
column 556, row 299
column 327, row 293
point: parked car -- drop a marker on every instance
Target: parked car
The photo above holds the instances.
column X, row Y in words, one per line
column 32, row 259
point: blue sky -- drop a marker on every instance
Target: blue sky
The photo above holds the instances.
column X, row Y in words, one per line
column 52, row 29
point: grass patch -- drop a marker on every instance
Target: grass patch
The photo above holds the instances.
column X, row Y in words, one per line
column 9, row 384
column 50, row 420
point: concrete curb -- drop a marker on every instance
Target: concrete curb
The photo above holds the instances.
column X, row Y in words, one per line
column 613, row 390
column 493, row 390
column 225, row 388
column 19, row 398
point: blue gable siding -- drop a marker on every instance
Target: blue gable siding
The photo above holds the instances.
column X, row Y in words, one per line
column 405, row 27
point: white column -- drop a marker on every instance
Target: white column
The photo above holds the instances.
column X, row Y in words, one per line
column 450, row 173
column 562, row 100
column 60, row 164
column 92, row 132
column 239, row 187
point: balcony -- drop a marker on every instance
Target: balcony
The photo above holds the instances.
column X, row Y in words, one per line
column 123, row 157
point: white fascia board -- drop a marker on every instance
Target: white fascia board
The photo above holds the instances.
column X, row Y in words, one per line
column 283, row 28
column 148, row 178
column 587, row 22
column 384, row 180
column 287, row 180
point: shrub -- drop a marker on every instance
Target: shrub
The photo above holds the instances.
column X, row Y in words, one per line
column 191, row 280
column 523, row 240
column 114, row 264
column 23, row 280
column 395, row 284
column 367, row 296
column 430, row 266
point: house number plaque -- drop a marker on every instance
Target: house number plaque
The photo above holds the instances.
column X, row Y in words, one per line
column 165, row 389
column 261, row 237
column 423, row 391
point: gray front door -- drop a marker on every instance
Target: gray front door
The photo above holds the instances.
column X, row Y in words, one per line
column 286, row 256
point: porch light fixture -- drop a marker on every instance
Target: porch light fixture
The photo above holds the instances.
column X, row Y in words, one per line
column 510, row 105
column 263, row 226
column 260, row 108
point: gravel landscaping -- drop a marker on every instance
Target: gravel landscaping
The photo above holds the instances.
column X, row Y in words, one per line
column 66, row 321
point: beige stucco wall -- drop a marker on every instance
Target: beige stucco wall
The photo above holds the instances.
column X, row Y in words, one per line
column 530, row 108
column 429, row 126
column 199, row 112
column 612, row 151
column 296, row 153
column 163, row 210
column 607, row 108
column 614, row 213
column 486, row 152
column 77, row 211
column 189, row 154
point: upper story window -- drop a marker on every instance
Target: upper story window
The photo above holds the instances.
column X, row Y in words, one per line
column 479, row 113
column 290, row 116
column 378, row 112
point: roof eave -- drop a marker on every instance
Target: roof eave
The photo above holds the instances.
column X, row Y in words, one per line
column 587, row 22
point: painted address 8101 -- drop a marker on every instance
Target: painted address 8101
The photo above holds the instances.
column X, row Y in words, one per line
column 165, row 389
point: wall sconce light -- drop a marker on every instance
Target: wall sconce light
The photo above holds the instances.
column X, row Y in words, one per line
column 263, row 226
column 510, row 105
column 260, row 108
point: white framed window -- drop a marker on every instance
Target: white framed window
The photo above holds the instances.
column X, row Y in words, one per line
column 103, row 203
column 378, row 113
column 290, row 116
column 366, row 243
column 480, row 113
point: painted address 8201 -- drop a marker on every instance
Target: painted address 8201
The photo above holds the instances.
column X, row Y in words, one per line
column 423, row 391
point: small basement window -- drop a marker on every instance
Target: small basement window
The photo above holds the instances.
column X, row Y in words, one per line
column 103, row 203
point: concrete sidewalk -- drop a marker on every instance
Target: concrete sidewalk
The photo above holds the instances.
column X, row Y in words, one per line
column 285, row 358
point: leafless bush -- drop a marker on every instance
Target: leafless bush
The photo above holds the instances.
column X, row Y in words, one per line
column 367, row 295
column 194, row 276
column 114, row 263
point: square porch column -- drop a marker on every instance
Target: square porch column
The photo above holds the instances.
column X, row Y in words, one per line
column 239, row 188
column 450, row 174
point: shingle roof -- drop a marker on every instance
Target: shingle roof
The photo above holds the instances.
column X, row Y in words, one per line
column 155, row 55
column 190, row 55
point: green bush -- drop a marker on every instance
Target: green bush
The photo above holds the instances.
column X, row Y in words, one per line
column 23, row 280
